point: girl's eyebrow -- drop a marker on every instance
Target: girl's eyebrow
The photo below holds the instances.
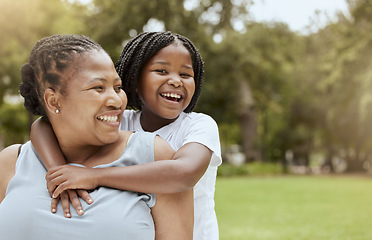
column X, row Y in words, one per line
column 160, row 62
column 167, row 63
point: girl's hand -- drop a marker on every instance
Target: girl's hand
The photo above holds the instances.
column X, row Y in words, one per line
column 71, row 195
column 73, row 179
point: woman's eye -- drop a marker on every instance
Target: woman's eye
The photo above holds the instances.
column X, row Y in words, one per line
column 98, row 88
column 117, row 89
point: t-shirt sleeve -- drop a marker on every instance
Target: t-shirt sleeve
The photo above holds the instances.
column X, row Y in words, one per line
column 204, row 130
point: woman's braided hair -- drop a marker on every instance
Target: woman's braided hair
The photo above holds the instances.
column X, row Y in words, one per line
column 48, row 60
column 144, row 46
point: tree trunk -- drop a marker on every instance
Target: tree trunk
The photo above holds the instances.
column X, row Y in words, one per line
column 247, row 118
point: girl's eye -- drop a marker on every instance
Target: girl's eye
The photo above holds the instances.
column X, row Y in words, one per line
column 161, row 71
column 185, row 75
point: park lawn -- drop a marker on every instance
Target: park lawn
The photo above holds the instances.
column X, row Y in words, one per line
column 294, row 207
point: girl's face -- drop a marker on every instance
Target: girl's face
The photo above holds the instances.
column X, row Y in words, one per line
column 92, row 107
column 167, row 83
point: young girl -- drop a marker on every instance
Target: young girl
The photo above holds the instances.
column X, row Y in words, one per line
column 162, row 74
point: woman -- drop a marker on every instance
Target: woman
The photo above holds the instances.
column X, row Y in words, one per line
column 71, row 81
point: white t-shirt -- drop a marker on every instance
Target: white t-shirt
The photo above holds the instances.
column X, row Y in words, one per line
column 199, row 128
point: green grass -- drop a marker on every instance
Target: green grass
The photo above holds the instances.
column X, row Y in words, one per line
column 294, row 207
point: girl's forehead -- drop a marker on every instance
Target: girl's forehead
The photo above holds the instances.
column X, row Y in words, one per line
column 172, row 50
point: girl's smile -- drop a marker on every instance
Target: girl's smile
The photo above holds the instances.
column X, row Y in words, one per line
column 167, row 84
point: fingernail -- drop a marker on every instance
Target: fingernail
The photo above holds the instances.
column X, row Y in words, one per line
column 54, row 210
column 80, row 211
column 90, row 200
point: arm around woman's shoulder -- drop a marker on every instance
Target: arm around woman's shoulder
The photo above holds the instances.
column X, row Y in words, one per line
column 173, row 214
column 8, row 159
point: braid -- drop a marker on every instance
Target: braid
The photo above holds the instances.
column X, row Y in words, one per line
column 140, row 49
column 198, row 67
column 48, row 60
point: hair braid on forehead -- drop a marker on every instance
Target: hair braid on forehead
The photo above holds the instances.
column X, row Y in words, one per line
column 198, row 67
column 48, row 60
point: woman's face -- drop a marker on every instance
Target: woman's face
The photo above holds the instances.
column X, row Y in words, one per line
column 167, row 82
column 93, row 103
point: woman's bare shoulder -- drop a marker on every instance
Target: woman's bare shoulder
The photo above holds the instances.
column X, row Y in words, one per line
column 8, row 156
column 163, row 151
column 8, row 159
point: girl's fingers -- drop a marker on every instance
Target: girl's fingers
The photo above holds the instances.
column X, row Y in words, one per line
column 59, row 190
column 75, row 201
column 85, row 196
column 54, row 204
column 65, row 204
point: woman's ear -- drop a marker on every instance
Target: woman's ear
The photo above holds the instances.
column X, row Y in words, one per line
column 51, row 99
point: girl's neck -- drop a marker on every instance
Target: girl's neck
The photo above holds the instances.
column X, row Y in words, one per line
column 151, row 122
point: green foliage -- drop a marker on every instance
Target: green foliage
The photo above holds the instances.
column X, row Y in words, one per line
column 22, row 23
column 251, row 169
column 14, row 120
column 308, row 93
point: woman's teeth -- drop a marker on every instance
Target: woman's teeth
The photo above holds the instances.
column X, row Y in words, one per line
column 108, row 118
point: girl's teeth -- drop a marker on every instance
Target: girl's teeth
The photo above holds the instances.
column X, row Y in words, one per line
column 173, row 95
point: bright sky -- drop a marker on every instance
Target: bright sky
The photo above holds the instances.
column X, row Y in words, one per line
column 296, row 13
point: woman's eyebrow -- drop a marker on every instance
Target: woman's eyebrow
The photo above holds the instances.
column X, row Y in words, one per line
column 101, row 79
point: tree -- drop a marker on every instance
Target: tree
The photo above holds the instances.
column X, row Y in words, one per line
column 22, row 23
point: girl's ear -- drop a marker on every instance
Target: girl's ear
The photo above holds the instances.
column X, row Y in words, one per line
column 51, row 99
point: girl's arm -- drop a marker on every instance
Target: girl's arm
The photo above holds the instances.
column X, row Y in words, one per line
column 167, row 176
column 46, row 145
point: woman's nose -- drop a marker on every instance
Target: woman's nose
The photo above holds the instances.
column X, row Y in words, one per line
column 115, row 99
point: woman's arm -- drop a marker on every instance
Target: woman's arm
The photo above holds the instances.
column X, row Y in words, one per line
column 8, row 159
column 167, row 176
column 173, row 214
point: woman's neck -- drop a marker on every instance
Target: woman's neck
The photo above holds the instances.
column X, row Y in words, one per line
column 90, row 155
column 80, row 154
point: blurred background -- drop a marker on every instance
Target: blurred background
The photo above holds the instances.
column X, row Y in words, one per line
column 300, row 99
column 293, row 105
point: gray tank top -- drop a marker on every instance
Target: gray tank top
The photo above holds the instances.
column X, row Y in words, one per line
column 25, row 211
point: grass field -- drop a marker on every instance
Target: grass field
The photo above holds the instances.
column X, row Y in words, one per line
column 294, row 207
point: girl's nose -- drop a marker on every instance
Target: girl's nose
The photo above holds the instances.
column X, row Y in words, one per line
column 175, row 81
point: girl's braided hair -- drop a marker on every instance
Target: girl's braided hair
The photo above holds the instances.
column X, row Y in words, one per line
column 144, row 46
column 48, row 60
